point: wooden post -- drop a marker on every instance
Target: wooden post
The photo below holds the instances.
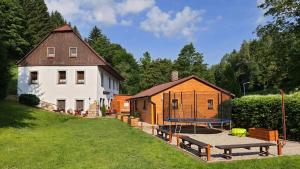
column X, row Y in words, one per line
column 141, row 125
column 170, row 135
column 283, row 117
column 279, row 148
column 208, row 152
column 177, row 140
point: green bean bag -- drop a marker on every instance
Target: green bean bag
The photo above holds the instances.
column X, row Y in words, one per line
column 239, row 132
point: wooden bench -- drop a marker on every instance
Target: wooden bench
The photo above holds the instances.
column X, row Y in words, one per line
column 228, row 148
column 187, row 143
column 164, row 134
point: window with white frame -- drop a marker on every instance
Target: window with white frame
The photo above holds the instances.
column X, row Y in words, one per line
column 62, row 77
column 80, row 77
column 73, row 51
column 102, row 79
column 33, row 77
column 50, row 52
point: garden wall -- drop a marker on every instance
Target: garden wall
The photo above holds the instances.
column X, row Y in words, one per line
column 265, row 111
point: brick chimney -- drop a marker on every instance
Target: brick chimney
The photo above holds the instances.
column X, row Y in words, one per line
column 174, row 75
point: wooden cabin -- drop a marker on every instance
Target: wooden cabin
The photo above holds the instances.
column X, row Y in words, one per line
column 189, row 97
column 120, row 103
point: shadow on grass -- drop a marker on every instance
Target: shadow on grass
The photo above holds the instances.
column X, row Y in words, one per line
column 13, row 115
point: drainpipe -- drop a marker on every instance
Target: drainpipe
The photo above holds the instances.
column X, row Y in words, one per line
column 153, row 110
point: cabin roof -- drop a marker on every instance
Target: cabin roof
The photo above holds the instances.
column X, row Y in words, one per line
column 162, row 87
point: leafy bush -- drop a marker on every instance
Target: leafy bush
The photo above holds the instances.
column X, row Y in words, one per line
column 29, row 99
column 136, row 114
column 265, row 111
column 103, row 109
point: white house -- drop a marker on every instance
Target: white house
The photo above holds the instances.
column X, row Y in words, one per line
column 67, row 74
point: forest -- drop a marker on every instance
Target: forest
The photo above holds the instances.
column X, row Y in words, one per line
column 265, row 64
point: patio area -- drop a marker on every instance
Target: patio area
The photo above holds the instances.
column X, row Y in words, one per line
column 216, row 137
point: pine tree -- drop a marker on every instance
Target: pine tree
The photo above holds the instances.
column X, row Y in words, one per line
column 12, row 28
column 37, row 18
column 57, row 20
column 75, row 29
column 4, row 71
column 190, row 62
column 100, row 43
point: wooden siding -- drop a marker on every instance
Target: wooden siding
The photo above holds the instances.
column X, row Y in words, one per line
column 145, row 113
column 188, row 86
column 117, row 104
column 62, row 41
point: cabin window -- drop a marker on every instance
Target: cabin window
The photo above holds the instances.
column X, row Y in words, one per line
column 50, row 51
column 109, row 82
column 210, row 103
column 175, row 103
column 33, row 77
column 79, row 105
column 102, row 79
column 61, row 105
column 73, row 51
column 62, row 78
column 80, row 77
column 144, row 106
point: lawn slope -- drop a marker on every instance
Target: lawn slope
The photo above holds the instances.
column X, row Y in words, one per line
column 33, row 138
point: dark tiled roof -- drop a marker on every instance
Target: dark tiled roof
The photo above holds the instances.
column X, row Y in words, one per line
column 159, row 88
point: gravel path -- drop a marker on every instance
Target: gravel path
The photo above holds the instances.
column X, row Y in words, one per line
column 215, row 137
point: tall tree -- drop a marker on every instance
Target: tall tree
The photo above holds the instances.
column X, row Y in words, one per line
column 12, row 28
column 37, row 19
column 4, row 70
column 190, row 62
column 57, row 19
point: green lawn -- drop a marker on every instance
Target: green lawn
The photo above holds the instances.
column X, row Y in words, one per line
column 33, row 138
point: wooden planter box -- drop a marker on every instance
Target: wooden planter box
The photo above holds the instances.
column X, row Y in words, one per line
column 125, row 118
column 264, row 134
column 133, row 122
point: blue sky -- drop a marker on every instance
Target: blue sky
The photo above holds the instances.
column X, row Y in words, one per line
column 163, row 27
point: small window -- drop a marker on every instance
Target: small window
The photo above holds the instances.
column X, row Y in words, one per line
column 61, row 105
column 80, row 77
column 109, row 83
column 62, row 78
column 117, row 84
column 144, row 106
column 210, row 104
column 79, row 105
column 102, row 79
column 175, row 103
column 33, row 77
column 73, row 52
column 50, row 51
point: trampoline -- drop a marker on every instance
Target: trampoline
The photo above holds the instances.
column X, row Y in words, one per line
column 195, row 108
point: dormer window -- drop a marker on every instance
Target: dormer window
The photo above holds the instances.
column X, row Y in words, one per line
column 73, row 51
column 50, row 52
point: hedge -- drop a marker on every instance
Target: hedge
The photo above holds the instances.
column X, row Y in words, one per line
column 265, row 111
column 29, row 99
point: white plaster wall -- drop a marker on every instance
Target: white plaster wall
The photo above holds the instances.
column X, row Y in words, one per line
column 50, row 91
column 107, row 97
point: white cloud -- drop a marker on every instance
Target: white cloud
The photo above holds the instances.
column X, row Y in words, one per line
column 134, row 6
column 162, row 23
column 104, row 11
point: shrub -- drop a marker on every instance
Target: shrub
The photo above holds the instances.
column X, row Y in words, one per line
column 103, row 109
column 265, row 111
column 29, row 99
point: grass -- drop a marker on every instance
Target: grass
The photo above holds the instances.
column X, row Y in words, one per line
column 33, row 138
